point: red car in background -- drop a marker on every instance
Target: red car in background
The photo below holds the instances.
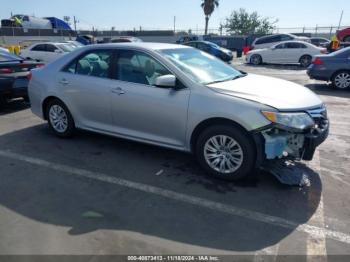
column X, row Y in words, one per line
column 344, row 35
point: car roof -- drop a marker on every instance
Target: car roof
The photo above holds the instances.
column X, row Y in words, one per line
column 293, row 41
column 266, row 36
column 141, row 45
column 319, row 38
column 200, row 41
column 48, row 43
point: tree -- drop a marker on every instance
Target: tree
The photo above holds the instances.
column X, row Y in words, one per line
column 208, row 8
column 241, row 22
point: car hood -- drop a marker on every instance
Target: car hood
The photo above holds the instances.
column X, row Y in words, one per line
column 225, row 50
column 280, row 94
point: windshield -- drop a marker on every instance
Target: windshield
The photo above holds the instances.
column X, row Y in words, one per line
column 201, row 67
column 66, row 47
column 8, row 57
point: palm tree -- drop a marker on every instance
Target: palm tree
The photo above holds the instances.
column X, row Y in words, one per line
column 208, row 8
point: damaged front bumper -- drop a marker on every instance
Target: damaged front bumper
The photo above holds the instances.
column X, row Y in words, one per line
column 280, row 142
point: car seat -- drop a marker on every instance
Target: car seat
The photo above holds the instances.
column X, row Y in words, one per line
column 83, row 67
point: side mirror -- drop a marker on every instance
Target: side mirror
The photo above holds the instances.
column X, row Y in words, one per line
column 167, row 81
column 57, row 51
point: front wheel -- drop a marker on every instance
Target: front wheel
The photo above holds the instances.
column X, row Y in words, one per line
column 60, row 119
column 226, row 152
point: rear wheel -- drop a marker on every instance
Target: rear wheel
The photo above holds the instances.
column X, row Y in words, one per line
column 26, row 99
column 60, row 119
column 226, row 152
column 256, row 60
column 305, row 60
column 3, row 101
column 341, row 80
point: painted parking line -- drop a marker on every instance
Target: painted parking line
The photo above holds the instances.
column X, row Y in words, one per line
column 316, row 247
column 315, row 231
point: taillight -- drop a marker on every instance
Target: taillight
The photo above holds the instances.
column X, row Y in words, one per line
column 40, row 65
column 29, row 76
column 6, row 70
column 317, row 61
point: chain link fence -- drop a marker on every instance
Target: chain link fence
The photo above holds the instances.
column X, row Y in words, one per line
column 11, row 35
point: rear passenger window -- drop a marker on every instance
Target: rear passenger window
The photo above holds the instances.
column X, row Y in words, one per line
column 263, row 40
column 96, row 63
column 295, row 45
column 276, row 38
column 286, row 38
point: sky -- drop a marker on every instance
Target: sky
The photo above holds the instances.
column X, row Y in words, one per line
column 159, row 14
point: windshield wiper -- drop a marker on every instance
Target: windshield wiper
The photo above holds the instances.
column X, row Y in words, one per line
column 240, row 76
column 229, row 79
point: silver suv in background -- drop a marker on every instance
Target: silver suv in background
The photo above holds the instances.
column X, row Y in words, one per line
column 270, row 40
column 181, row 98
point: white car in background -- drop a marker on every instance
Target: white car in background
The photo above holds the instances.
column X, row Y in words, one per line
column 46, row 52
column 289, row 52
column 270, row 40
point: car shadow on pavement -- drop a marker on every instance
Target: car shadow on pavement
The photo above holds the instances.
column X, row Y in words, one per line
column 13, row 106
column 328, row 90
column 85, row 205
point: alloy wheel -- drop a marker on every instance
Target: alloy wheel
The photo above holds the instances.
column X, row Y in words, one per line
column 256, row 60
column 342, row 80
column 305, row 61
column 223, row 154
column 58, row 118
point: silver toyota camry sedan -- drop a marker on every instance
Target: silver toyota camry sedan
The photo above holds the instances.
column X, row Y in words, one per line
column 180, row 98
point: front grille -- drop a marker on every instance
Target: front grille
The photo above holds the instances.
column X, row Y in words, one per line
column 319, row 115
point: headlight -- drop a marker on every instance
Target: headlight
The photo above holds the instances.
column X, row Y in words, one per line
column 299, row 121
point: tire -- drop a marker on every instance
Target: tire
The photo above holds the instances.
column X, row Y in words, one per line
column 59, row 118
column 3, row 101
column 238, row 159
column 256, row 60
column 26, row 99
column 305, row 60
column 341, row 80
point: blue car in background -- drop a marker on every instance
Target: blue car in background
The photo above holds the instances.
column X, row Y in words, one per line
column 213, row 49
column 334, row 67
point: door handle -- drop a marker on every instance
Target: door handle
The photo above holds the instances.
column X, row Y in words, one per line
column 64, row 81
column 118, row 91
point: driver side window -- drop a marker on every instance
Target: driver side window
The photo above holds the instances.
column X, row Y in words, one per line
column 137, row 67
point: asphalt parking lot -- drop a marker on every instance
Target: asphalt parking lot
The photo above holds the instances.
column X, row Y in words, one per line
column 94, row 194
